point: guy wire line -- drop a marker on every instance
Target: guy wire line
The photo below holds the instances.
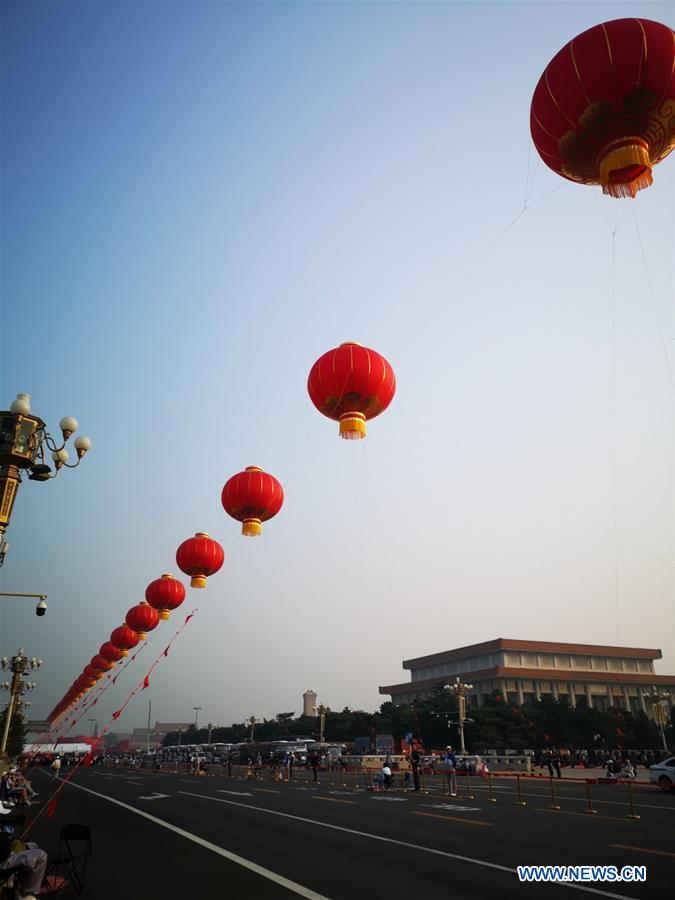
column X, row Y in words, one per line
column 614, row 429
column 472, row 268
column 653, row 300
column 535, row 489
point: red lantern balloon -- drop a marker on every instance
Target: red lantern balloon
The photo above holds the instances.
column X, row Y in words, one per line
column 110, row 652
column 124, row 639
column 92, row 673
column 164, row 594
column 351, row 384
column 252, row 497
column 98, row 662
column 142, row 618
column 603, row 111
column 199, row 557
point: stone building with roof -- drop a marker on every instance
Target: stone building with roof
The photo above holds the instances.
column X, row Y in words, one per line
column 607, row 677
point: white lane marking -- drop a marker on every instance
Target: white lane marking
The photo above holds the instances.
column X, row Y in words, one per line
column 155, row 797
column 391, row 799
column 452, row 806
column 234, row 793
column 388, row 840
column 221, row 851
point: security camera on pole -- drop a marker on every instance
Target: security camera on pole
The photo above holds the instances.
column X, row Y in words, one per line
column 40, row 609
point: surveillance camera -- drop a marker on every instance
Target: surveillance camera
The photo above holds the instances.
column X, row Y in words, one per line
column 41, row 608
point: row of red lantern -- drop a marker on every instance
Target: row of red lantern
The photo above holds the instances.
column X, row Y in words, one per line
column 349, row 384
column 199, row 557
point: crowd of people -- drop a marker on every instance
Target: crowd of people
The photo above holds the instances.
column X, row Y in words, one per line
column 25, row 859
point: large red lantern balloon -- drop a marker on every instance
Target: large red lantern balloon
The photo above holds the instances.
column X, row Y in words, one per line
column 252, row 497
column 124, row 639
column 603, row 111
column 164, row 594
column 110, row 652
column 351, row 384
column 199, row 557
column 142, row 618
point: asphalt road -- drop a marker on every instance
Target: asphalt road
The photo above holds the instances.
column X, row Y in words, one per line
column 172, row 836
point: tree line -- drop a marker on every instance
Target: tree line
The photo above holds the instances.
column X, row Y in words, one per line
column 499, row 724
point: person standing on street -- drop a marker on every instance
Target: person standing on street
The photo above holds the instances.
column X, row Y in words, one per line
column 450, row 761
column 415, row 764
column 314, row 762
column 555, row 762
column 56, row 767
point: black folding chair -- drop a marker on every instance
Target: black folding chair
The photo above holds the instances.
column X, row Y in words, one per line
column 69, row 865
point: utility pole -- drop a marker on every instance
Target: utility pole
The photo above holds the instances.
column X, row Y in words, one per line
column 196, row 709
column 210, row 727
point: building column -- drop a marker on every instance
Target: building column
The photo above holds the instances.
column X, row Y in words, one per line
column 554, row 689
column 588, row 696
column 573, row 696
column 537, row 690
column 610, row 694
column 519, row 686
column 643, row 705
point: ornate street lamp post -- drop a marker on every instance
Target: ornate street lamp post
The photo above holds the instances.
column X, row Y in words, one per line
column 659, row 699
column 24, row 440
column 251, row 722
column 19, row 666
column 321, row 711
column 459, row 689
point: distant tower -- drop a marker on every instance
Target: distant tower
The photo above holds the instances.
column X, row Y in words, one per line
column 309, row 703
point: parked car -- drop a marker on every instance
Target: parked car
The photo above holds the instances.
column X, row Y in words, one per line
column 663, row 774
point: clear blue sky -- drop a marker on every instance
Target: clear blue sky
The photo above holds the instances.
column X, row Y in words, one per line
column 198, row 199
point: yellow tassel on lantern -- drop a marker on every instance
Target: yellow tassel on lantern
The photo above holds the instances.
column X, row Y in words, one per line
column 251, row 527
column 353, row 426
column 626, row 169
column 141, row 635
column 198, row 581
column 164, row 614
column 124, row 652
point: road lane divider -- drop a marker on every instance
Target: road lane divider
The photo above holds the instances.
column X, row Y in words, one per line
column 292, row 886
column 407, row 844
column 334, row 800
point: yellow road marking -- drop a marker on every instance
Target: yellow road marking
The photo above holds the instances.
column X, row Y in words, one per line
column 452, row 818
column 333, row 800
column 641, row 849
column 567, row 812
column 267, row 791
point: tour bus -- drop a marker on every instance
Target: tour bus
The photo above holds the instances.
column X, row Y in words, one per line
column 270, row 751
